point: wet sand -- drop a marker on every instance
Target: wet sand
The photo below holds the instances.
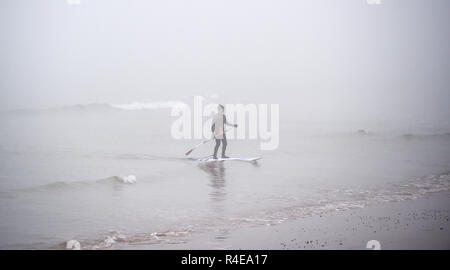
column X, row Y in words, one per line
column 413, row 224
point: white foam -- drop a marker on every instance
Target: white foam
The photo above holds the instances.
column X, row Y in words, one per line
column 109, row 240
column 130, row 179
column 73, row 245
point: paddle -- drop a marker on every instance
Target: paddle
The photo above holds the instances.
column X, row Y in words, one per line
column 202, row 143
column 195, row 147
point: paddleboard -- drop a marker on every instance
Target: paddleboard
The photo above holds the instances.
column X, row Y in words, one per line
column 249, row 159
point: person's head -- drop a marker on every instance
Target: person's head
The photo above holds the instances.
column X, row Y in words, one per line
column 221, row 108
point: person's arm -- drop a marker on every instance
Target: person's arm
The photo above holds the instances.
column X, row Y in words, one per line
column 213, row 127
column 228, row 124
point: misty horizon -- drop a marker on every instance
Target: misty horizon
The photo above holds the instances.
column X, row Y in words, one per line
column 320, row 60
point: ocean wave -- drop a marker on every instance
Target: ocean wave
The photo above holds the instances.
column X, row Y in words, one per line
column 149, row 105
column 111, row 238
column 130, row 179
column 434, row 136
column 340, row 200
column 99, row 108
column 114, row 239
column 62, row 185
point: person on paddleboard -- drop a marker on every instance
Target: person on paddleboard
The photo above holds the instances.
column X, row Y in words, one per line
column 218, row 129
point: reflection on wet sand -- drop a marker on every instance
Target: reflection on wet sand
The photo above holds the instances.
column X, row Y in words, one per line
column 216, row 174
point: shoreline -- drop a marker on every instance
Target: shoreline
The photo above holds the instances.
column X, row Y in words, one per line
column 422, row 223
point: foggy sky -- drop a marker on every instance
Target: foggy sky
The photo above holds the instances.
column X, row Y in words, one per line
column 323, row 59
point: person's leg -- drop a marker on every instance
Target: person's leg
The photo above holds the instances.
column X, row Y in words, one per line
column 216, row 148
column 224, row 146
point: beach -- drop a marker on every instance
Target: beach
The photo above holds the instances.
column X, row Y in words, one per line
column 413, row 224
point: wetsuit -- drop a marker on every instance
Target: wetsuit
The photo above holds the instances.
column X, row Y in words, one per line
column 219, row 134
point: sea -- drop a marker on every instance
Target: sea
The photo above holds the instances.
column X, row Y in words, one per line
column 114, row 177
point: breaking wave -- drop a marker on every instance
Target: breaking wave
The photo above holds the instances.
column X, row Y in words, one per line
column 149, row 106
column 99, row 108
column 61, row 185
